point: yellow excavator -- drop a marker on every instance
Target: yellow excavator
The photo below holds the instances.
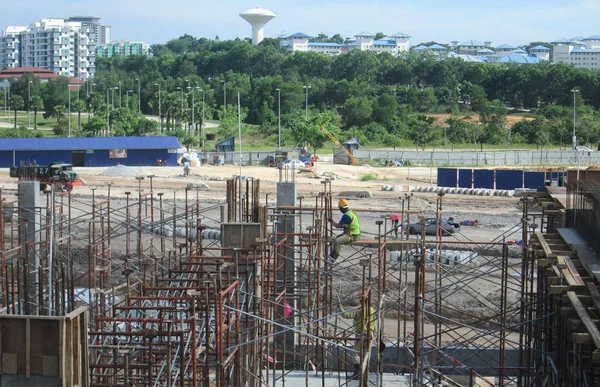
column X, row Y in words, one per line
column 336, row 142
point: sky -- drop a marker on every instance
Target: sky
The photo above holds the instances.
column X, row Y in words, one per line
column 513, row 22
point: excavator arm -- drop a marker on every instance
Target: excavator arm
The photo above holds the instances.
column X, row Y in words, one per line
column 339, row 144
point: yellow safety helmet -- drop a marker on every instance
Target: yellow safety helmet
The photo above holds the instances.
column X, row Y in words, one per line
column 343, row 203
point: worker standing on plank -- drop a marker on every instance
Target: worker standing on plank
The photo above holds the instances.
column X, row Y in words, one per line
column 363, row 332
column 351, row 225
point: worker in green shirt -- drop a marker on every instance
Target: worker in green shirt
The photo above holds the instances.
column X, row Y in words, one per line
column 351, row 225
column 364, row 331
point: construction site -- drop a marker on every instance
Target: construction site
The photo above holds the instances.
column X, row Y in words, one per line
column 157, row 280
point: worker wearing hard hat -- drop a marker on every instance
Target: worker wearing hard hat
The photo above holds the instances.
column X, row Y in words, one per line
column 364, row 325
column 351, row 225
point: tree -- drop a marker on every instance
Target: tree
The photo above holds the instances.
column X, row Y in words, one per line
column 380, row 35
column 357, row 111
column 16, row 103
column 61, row 127
column 59, row 112
column 95, row 126
column 189, row 142
column 78, row 105
column 422, row 132
column 493, row 117
column 36, row 104
column 55, row 94
column 229, row 123
column 458, row 131
column 309, row 130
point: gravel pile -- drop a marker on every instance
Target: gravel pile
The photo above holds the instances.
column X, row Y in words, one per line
column 122, row 170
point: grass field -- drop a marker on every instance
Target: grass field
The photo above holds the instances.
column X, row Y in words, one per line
column 45, row 125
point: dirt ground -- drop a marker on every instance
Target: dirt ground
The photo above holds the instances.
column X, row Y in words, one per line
column 496, row 215
column 474, row 117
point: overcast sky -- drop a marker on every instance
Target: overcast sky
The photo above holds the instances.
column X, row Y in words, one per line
column 501, row 21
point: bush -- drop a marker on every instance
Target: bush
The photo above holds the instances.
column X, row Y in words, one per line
column 368, row 177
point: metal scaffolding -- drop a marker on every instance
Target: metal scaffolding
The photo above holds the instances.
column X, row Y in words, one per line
column 180, row 292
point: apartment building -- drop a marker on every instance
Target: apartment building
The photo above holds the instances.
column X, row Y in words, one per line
column 578, row 51
column 10, row 47
column 64, row 46
column 99, row 33
column 364, row 41
column 123, row 48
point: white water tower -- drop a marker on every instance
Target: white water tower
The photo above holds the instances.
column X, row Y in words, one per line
column 257, row 17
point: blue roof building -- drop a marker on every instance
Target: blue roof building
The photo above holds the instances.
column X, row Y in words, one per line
column 519, row 58
column 539, row 48
column 89, row 151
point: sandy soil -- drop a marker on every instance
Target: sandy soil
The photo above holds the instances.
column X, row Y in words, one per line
column 467, row 288
column 474, row 117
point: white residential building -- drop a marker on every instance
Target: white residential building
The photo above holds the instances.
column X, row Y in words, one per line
column 505, row 49
column 99, row 34
column 65, row 47
column 588, row 58
column 10, row 47
column 325, row 48
column 580, row 52
column 365, row 41
column 541, row 52
column 469, row 47
column 294, row 42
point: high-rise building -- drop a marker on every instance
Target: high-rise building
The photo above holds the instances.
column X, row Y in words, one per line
column 105, row 35
column 122, row 48
column 65, row 46
column 10, row 46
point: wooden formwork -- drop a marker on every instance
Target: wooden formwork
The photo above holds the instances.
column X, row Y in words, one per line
column 44, row 350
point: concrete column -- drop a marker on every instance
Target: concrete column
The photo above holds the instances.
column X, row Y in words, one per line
column 30, row 203
column 287, row 194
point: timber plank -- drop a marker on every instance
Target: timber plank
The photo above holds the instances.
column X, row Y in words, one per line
column 585, row 318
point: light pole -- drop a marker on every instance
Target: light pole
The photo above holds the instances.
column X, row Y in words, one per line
column 90, row 102
column 107, row 114
column 181, row 116
column 69, row 114
column 112, row 103
column 224, row 100
column 159, row 109
column 279, row 116
column 202, row 125
column 5, row 111
column 28, row 103
column 120, row 96
column 306, row 88
column 127, row 99
column 574, row 91
column 193, row 106
column 139, row 95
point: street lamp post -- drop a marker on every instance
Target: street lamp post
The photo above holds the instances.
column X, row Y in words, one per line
column 224, row 99
column 5, row 111
column 139, row 95
column 127, row 99
column 202, row 125
column 159, row 109
column 279, row 116
column 28, row 103
column 306, row 88
column 120, row 96
column 574, row 91
column 69, row 114
column 193, row 107
column 107, row 114
column 112, row 100
column 181, row 116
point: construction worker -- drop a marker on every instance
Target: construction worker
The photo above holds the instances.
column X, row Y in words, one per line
column 364, row 332
column 351, row 225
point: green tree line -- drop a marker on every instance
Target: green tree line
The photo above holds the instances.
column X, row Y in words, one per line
column 377, row 97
